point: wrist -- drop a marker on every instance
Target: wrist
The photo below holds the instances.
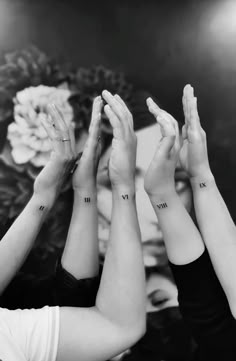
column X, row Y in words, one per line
column 162, row 192
column 162, row 197
column 123, row 192
column 88, row 196
column 42, row 203
column 203, row 180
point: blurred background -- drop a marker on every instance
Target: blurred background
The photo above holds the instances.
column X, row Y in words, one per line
column 159, row 46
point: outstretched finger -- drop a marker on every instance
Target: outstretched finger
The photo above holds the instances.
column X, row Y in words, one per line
column 153, row 107
column 95, row 125
column 187, row 96
column 166, row 115
column 61, row 132
column 118, row 131
column 130, row 117
column 57, row 146
column 194, row 118
column 118, row 108
column 168, row 134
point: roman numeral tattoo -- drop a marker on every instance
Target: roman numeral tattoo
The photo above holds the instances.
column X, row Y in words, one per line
column 87, row 199
column 162, row 205
column 202, row 185
column 41, row 208
column 125, row 196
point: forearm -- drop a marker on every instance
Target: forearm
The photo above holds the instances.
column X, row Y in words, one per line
column 81, row 257
column 18, row 241
column 182, row 239
column 121, row 296
column 218, row 231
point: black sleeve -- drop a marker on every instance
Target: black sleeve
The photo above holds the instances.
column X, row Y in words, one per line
column 60, row 288
column 204, row 305
column 68, row 291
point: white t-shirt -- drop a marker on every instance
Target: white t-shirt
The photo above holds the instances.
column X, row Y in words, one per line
column 29, row 335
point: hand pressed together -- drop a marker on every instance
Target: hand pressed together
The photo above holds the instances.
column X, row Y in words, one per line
column 159, row 177
column 193, row 153
column 84, row 177
column 50, row 180
column 123, row 155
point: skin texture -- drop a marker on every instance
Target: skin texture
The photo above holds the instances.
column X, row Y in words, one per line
column 18, row 241
column 216, row 225
column 182, row 239
column 118, row 319
column 80, row 256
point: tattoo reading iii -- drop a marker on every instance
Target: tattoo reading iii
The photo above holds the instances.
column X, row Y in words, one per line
column 87, row 199
column 162, row 205
column 41, row 208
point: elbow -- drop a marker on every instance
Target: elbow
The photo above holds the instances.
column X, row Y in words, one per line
column 135, row 333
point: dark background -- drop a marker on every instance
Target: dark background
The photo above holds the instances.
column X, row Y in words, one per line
column 160, row 45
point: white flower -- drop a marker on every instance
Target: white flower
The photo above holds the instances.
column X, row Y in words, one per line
column 27, row 136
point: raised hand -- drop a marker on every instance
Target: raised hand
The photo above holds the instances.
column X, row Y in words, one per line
column 49, row 181
column 193, row 153
column 84, row 177
column 159, row 177
column 123, row 155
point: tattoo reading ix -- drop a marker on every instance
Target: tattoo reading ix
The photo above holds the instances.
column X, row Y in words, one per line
column 162, row 205
column 87, row 199
column 41, row 208
column 202, row 185
column 125, row 196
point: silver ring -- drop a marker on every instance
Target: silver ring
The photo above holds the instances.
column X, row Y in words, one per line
column 65, row 140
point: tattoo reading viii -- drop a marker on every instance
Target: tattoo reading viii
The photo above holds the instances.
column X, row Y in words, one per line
column 162, row 205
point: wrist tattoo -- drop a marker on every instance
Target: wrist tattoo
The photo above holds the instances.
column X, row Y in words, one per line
column 41, row 208
column 125, row 196
column 162, row 205
column 87, row 199
column 202, row 185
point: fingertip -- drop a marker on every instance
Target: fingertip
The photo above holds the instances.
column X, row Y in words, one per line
column 149, row 101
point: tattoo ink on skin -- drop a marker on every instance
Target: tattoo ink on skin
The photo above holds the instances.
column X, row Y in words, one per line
column 125, row 196
column 41, row 208
column 87, row 199
column 202, row 185
column 162, row 205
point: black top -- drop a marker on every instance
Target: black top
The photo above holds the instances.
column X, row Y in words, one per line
column 59, row 289
column 205, row 309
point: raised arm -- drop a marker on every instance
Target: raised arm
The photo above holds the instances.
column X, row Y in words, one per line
column 118, row 319
column 201, row 298
column 214, row 220
column 80, row 256
column 18, row 241
column 182, row 239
